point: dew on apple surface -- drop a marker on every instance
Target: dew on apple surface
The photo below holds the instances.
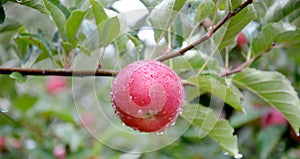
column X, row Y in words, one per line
column 173, row 123
column 159, row 133
column 152, row 95
column 140, row 112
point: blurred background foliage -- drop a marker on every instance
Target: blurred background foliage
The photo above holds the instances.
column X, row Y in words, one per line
column 39, row 119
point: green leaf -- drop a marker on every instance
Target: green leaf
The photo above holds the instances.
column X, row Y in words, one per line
column 270, row 33
column 108, row 30
column 204, row 10
column 25, row 102
column 9, row 25
column 225, row 36
column 235, row 4
column 18, row 76
column 275, row 89
column 121, row 44
column 268, row 138
column 282, row 9
column 150, row 4
column 194, row 61
column 58, row 16
column 133, row 37
column 163, row 15
column 23, row 40
column 99, row 12
column 2, row 14
column 60, row 5
column 35, row 4
column 60, row 114
column 5, row 119
column 73, row 23
column 219, row 130
column 216, row 88
column 288, row 37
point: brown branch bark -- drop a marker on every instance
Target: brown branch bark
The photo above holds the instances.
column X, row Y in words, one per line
column 247, row 63
column 207, row 35
column 58, row 72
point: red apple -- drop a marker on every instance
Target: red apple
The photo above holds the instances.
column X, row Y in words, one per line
column 56, row 84
column 273, row 117
column 241, row 40
column 147, row 95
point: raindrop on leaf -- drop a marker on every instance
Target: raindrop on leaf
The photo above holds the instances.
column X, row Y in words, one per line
column 238, row 156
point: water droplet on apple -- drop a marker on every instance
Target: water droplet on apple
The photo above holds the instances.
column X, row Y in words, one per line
column 123, row 124
column 180, row 111
column 298, row 134
column 238, row 156
column 152, row 112
column 160, row 133
column 140, row 112
column 226, row 153
column 173, row 123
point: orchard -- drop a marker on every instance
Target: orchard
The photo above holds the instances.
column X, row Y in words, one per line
column 149, row 79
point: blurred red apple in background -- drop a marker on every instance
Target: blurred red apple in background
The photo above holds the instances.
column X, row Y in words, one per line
column 273, row 117
column 55, row 84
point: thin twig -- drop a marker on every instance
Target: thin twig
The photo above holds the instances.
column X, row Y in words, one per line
column 58, row 72
column 207, row 35
column 248, row 62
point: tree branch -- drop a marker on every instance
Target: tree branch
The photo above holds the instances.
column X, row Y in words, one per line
column 207, row 35
column 58, row 72
column 248, row 62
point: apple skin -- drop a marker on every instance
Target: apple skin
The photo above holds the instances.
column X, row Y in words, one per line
column 241, row 40
column 147, row 95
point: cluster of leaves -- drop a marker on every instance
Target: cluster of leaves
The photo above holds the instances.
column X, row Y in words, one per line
column 63, row 31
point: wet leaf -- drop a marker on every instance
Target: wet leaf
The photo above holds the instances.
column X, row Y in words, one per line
column 216, row 88
column 99, row 12
column 226, row 34
column 18, row 77
column 73, row 23
column 58, row 16
column 163, row 16
column 275, row 89
column 217, row 129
